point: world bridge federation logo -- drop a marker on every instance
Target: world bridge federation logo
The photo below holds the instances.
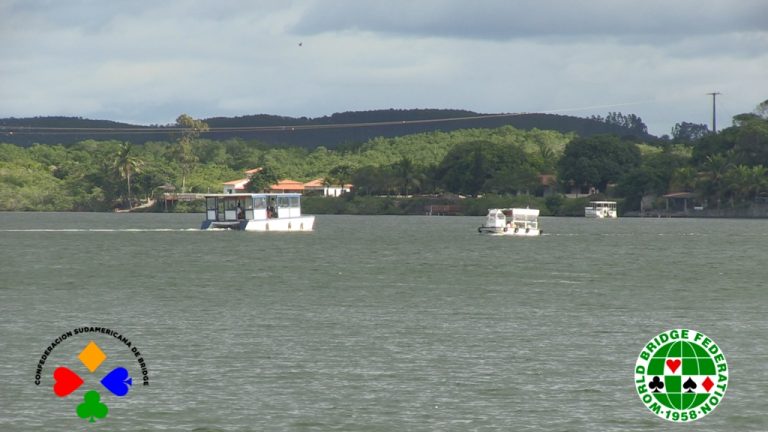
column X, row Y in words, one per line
column 681, row 375
column 112, row 381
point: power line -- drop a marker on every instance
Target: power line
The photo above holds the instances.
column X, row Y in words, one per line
column 171, row 129
column 281, row 128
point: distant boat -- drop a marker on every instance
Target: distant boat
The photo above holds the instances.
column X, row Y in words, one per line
column 512, row 221
column 601, row 210
column 256, row 212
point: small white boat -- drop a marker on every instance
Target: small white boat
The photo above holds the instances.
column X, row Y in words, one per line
column 256, row 212
column 601, row 210
column 512, row 221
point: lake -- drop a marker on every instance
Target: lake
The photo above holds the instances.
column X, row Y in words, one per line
column 374, row 323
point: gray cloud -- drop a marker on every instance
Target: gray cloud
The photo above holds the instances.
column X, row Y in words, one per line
column 505, row 19
column 149, row 61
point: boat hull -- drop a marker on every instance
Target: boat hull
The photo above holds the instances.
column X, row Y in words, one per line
column 301, row 223
column 517, row 232
column 592, row 214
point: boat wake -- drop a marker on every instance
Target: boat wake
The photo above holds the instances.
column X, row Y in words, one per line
column 102, row 230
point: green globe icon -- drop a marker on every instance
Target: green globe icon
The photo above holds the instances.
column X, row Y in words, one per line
column 681, row 375
column 687, row 372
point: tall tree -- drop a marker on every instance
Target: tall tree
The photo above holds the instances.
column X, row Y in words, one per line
column 751, row 139
column 597, row 161
column 689, row 132
column 184, row 150
column 762, row 110
column 127, row 163
column 261, row 180
column 484, row 166
column 630, row 121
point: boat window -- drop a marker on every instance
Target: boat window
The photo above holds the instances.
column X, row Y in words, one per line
column 260, row 202
column 231, row 204
column 282, row 201
column 294, row 201
column 210, row 203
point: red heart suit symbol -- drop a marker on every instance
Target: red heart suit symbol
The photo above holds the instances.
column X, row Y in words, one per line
column 66, row 381
column 673, row 364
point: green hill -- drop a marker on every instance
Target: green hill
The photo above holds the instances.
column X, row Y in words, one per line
column 340, row 129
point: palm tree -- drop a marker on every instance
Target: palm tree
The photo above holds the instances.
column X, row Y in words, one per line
column 546, row 158
column 340, row 175
column 127, row 164
column 685, row 178
column 408, row 176
column 738, row 180
column 758, row 180
column 715, row 168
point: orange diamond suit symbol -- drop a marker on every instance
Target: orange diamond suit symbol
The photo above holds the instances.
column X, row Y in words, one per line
column 92, row 356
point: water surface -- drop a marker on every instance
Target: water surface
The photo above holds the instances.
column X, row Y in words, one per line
column 378, row 323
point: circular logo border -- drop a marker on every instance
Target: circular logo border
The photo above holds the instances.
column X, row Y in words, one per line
column 717, row 390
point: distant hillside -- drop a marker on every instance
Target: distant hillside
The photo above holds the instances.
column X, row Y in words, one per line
column 347, row 128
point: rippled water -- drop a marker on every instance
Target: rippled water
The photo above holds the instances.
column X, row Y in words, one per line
column 376, row 323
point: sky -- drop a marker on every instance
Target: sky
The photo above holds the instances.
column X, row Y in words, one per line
column 147, row 62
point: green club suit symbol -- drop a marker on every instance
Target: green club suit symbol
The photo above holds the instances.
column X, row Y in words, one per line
column 92, row 408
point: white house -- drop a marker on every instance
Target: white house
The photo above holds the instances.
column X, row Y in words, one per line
column 328, row 190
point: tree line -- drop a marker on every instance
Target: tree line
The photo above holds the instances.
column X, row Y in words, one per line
column 723, row 169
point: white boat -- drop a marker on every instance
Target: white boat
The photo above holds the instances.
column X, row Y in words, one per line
column 601, row 210
column 512, row 221
column 256, row 212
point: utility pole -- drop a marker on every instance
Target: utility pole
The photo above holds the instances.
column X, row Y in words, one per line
column 714, row 117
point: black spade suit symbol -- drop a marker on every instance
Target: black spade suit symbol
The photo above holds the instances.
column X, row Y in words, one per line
column 689, row 385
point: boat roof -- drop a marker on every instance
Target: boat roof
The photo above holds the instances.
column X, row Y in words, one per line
column 525, row 212
column 254, row 195
column 519, row 211
column 602, row 202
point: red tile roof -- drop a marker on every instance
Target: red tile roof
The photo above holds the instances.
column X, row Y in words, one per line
column 316, row 183
column 287, row 184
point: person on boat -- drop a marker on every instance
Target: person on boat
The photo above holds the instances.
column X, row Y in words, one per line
column 240, row 213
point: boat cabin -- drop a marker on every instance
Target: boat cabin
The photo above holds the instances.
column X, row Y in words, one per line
column 512, row 221
column 250, row 210
column 234, row 207
column 601, row 210
column 522, row 219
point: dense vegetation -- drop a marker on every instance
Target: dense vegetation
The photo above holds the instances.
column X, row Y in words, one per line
column 727, row 169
